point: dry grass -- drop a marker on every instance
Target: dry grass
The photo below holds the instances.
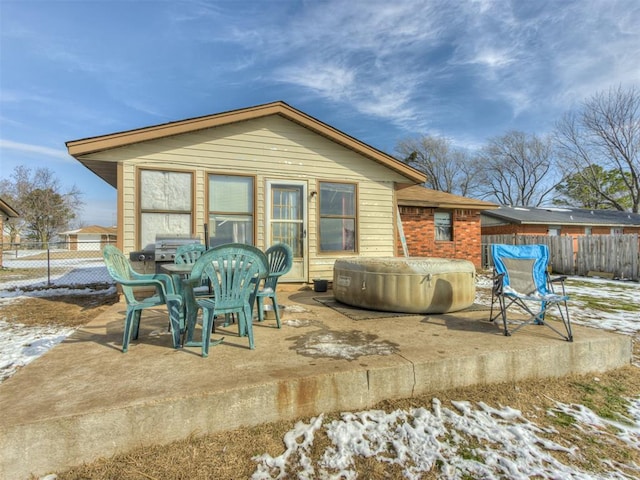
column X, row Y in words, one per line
column 63, row 310
column 228, row 455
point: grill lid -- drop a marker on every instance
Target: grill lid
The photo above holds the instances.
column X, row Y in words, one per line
column 166, row 245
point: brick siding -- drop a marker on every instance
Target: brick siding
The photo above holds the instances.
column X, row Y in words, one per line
column 419, row 231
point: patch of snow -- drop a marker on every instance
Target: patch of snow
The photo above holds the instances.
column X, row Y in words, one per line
column 555, row 209
column 295, row 323
column 296, row 309
column 505, row 444
column 20, row 344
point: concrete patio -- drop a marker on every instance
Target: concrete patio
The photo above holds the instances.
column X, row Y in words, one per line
column 85, row 399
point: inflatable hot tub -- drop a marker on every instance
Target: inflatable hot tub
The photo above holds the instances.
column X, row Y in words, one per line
column 405, row 284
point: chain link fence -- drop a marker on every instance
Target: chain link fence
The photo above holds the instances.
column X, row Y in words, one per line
column 33, row 266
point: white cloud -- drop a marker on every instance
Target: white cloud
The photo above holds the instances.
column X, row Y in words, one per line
column 329, row 80
column 37, row 149
column 492, row 58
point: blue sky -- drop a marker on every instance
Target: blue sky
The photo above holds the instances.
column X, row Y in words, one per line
column 380, row 71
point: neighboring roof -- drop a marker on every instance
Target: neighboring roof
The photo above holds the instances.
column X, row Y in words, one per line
column 93, row 230
column 419, row 196
column 107, row 170
column 7, row 210
column 564, row 216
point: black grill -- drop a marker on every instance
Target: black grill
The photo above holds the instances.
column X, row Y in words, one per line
column 164, row 249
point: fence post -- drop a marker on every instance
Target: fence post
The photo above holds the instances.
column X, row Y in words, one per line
column 48, row 265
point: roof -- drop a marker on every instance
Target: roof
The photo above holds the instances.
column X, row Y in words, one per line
column 7, row 210
column 564, row 216
column 93, row 230
column 419, row 196
column 108, row 170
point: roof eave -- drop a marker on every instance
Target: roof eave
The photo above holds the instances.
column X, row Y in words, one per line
column 553, row 221
column 8, row 210
column 431, row 204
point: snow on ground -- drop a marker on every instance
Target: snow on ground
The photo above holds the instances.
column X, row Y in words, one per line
column 510, row 446
column 507, row 445
column 21, row 344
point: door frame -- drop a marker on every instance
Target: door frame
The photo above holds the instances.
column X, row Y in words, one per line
column 303, row 263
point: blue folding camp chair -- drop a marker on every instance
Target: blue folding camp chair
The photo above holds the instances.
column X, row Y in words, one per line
column 521, row 280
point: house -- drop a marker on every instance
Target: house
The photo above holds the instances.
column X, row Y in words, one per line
column 6, row 212
column 91, row 238
column 260, row 175
column 558, row 221
column 440, row 224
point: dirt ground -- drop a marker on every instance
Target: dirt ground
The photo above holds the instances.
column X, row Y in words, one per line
column 229, row 455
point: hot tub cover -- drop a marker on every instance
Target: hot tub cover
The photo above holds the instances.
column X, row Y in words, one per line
column 405, row 284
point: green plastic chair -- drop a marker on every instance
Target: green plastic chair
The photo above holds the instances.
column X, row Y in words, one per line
column 234, row 272
column 189, row 253
column 123, row 273
column 280, row 257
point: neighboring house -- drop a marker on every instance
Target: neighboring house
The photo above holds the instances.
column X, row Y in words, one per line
column 258, row 175
column 6, row 212
column 439, row 224
column 558, row 221
column 91, row 238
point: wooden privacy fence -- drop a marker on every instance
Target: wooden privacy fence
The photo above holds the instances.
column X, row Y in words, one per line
column 618, row 255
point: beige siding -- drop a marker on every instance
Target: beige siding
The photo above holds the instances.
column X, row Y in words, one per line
column 129, row 202
column 269, row 148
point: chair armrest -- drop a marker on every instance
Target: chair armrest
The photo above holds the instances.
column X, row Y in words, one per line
column 141, row 283
column 162, row 277
column 157, row 284
column 558, row 279
column 498, row 284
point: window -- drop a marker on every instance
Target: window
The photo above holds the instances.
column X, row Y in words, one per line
column 444, row 231
column 230, row 209
column 554, row 231
column 616, row 231
column 337, row 217
column 165, row 204
column 587, row 230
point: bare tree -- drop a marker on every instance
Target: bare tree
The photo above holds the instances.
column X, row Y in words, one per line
column 44, row 208
column 519, row 169
column 604, row 132
column 447, row 168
